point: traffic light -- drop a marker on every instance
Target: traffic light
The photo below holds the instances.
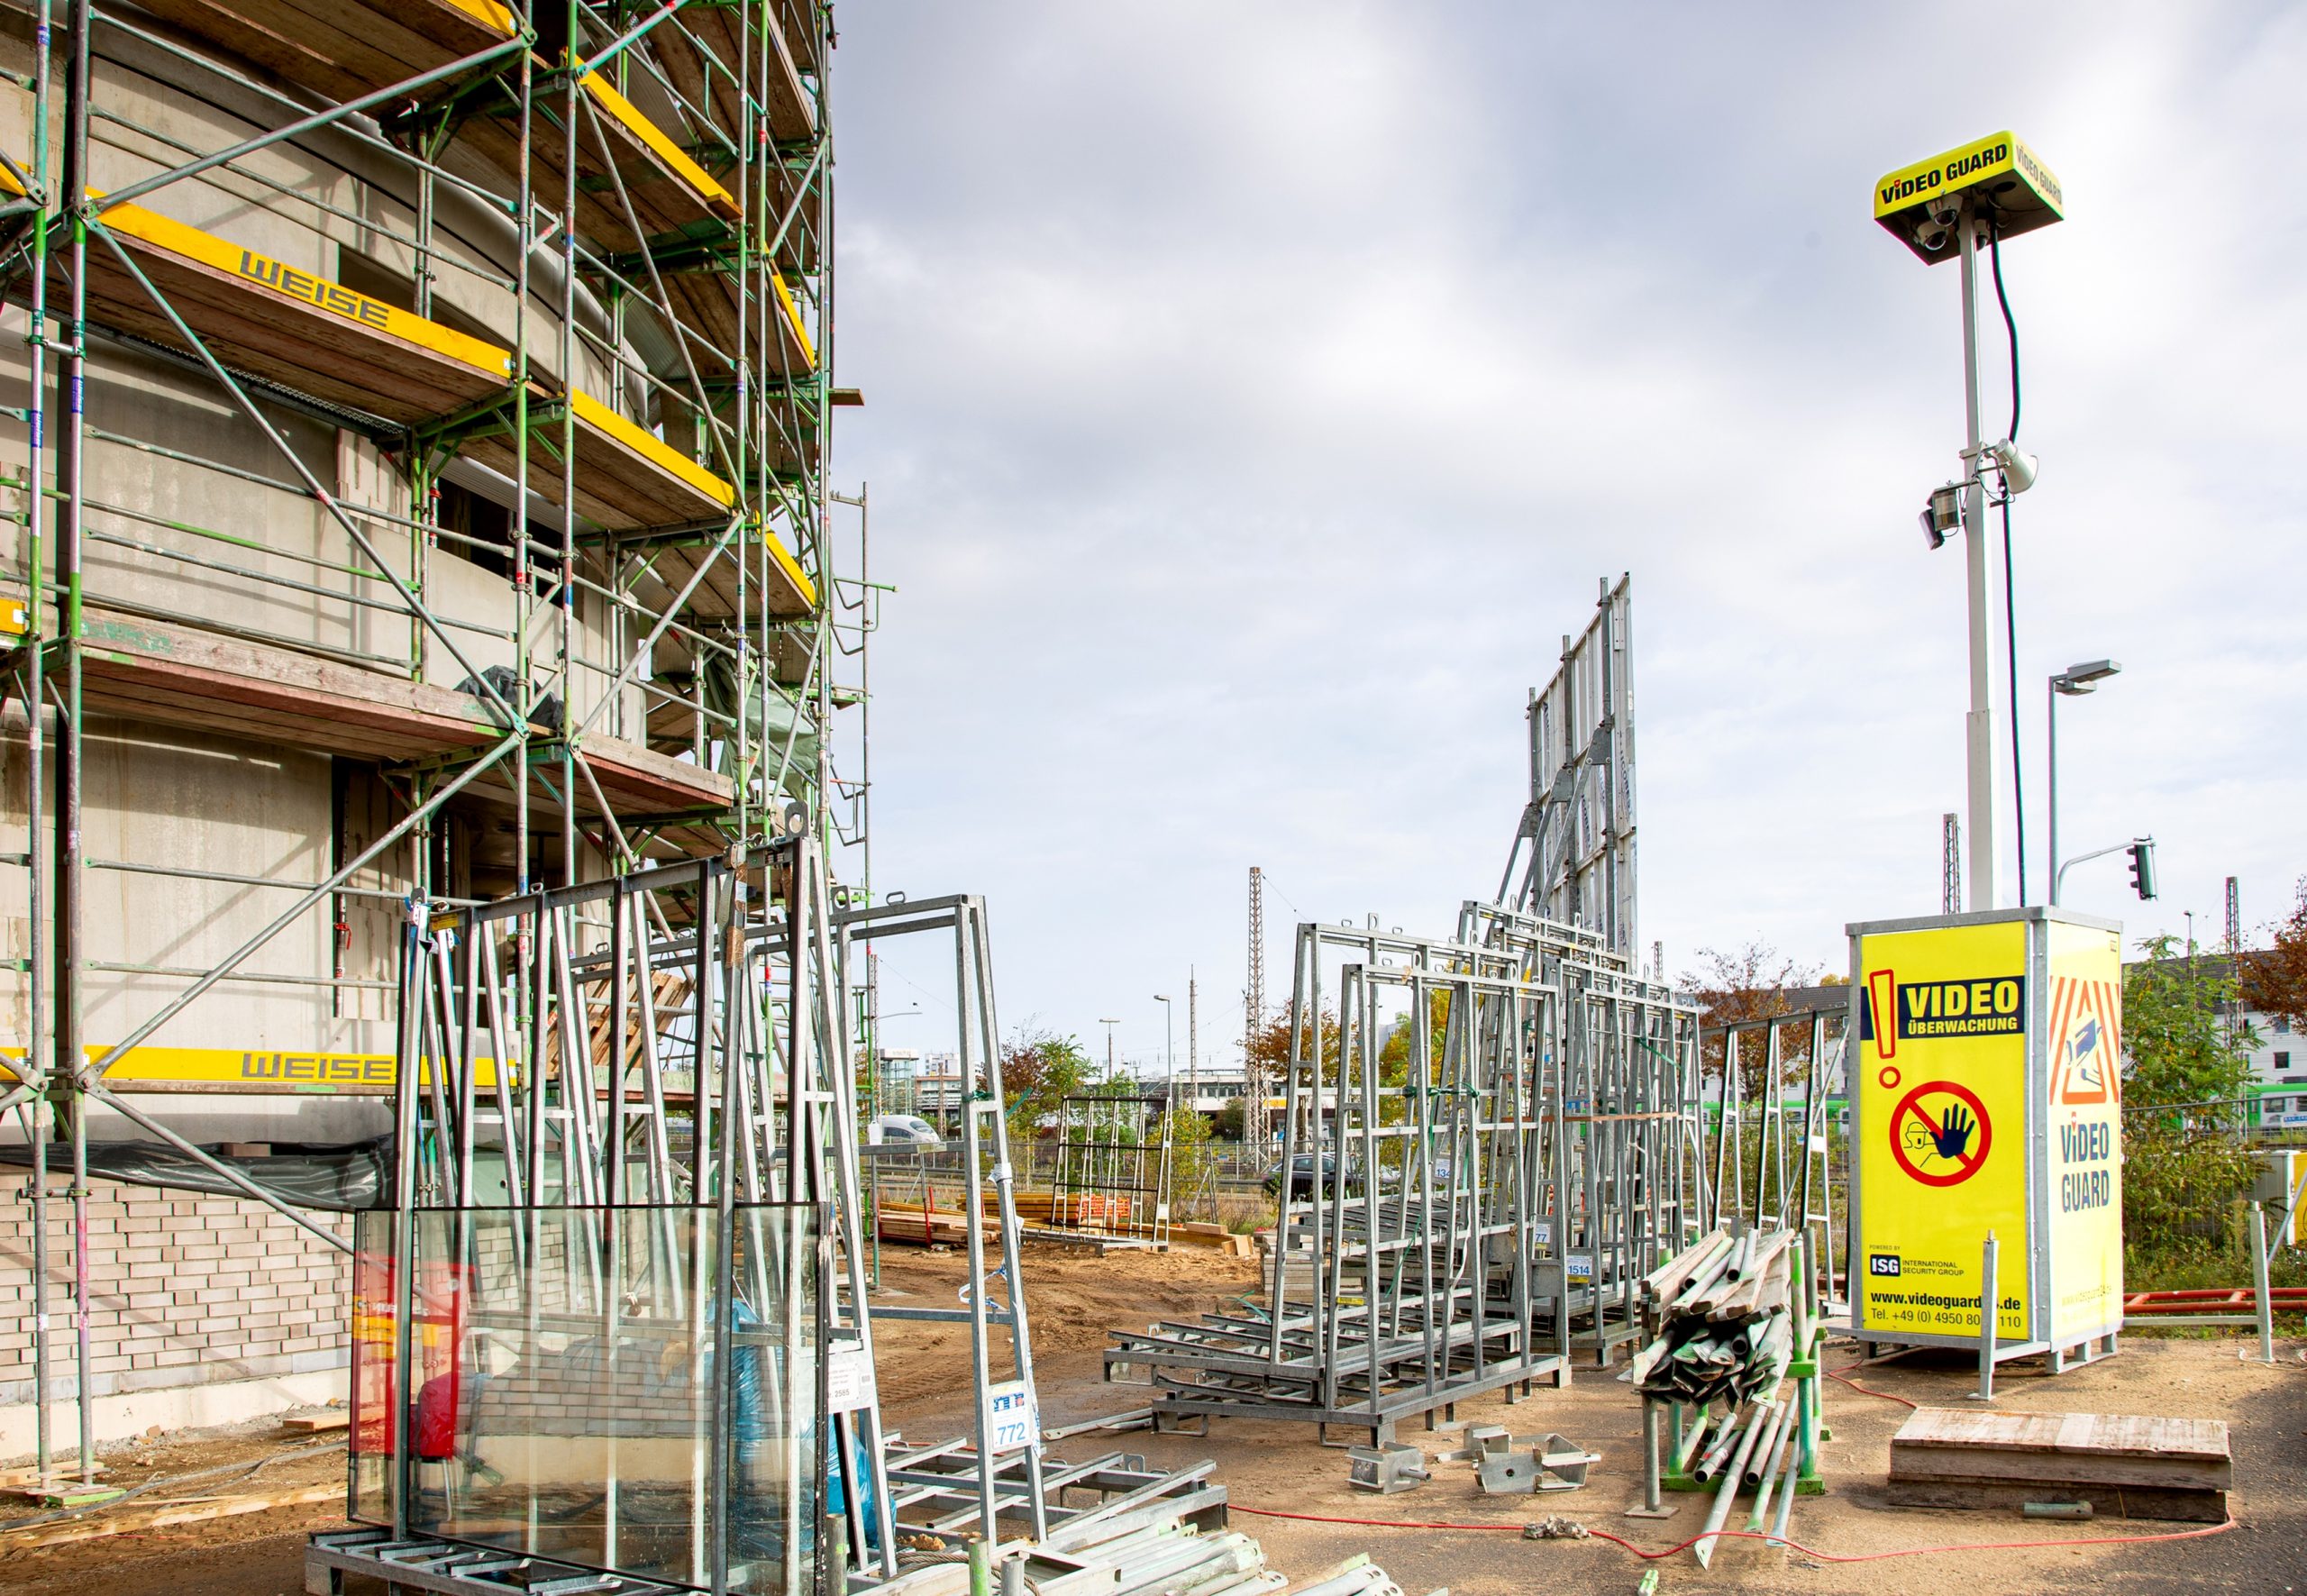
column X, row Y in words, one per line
column 2142, row 867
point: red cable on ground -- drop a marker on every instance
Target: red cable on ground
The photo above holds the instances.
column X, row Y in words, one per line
column 1792, row 1545
column 1843, row 1374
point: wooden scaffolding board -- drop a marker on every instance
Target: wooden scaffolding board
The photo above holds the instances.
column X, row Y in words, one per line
column 640, row 783
column 344, row 48
column 670, row 194
column 626, row 478
column 706, row 299
column 671, row 561
column 264, row 318
column 181, row 676
column 2146, row 1466
column 166, row 674
column 707, row 42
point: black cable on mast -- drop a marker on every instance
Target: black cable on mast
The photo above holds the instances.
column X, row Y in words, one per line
column 2009, row 595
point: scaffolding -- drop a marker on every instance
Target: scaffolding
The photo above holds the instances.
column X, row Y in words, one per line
column 423, row 415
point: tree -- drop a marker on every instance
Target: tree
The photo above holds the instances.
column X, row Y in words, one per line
column 2184, row 1162
column 1267, row 1048
column 1393, row 1057
column 1039, row 1071
column 2273, row 979
column 1232, row 1120
column 1747, row 984
column 2182, row 1052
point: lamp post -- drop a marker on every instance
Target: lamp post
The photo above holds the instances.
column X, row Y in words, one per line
column 1989, row 190
column 1169, row 1050
column 2070, row 683
column 1109, row 1024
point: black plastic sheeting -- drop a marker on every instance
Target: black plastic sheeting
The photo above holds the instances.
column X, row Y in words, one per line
column 305, row 1175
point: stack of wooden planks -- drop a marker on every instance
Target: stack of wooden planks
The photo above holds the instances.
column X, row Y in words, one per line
column 2124, row 1467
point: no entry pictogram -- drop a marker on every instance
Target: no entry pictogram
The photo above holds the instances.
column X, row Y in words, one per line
column 1959, row 1136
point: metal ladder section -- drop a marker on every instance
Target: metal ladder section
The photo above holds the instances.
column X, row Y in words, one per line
column 1006, row 1424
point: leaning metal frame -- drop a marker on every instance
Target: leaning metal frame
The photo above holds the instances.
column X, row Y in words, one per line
column 760, row 420
column 951, row 1488
column 1633, row 1186
column 1110, row 1175
column 1579, row 825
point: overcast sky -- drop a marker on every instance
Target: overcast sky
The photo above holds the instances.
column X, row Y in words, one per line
column 1255, row 392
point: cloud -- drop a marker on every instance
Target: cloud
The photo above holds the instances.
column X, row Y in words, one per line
column 1257, row 394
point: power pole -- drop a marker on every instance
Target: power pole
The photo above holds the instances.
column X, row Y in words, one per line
column 1253, row 1006
column 1950, row 866
column 2234, row 1007
column 1193, row 1036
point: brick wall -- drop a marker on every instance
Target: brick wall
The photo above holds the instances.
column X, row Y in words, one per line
column 186, row 1290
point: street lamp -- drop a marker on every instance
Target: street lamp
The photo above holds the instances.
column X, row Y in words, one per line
column 2070, row 683
column 1109, row 1024
column 1169, row 1050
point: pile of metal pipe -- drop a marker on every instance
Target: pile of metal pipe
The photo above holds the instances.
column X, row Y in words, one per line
column 1359, row 1577
column 1722, row 1320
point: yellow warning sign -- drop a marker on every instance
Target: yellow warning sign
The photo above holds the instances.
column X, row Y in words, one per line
column 2084, row 1146
column 1942, row 1115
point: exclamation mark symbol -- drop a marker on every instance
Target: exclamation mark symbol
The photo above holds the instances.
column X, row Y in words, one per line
column 1882, row 996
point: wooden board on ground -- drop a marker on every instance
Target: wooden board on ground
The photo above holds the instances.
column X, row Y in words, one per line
column 333, row 1418
column 2109, row 1502
column 2137, row 1466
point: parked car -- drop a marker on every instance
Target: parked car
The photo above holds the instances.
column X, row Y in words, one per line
column 1301, row 1175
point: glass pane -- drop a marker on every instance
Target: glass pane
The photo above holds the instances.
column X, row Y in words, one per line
column 567, row 1402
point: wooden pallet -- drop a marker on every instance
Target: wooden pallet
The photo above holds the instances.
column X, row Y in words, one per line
column 2124, row 1466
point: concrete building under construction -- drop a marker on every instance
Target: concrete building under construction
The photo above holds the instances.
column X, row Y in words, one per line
column 412, row 460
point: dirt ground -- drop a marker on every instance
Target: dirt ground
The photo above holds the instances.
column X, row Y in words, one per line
column 259, row 1554
column 1073, row 1299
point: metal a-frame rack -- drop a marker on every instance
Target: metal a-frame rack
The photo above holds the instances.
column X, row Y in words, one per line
column 1497, row 1137
column 944, row 1488
column 1425, row 1277
column 580, row 252
column 1633, row 1185
column 1788, row 1177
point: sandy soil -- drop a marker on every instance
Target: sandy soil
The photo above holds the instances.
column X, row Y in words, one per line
column 1073, row 1299
column 1281, row 1467
column 249, row 1554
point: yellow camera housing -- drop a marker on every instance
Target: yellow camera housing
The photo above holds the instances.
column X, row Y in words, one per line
column 1998, row 176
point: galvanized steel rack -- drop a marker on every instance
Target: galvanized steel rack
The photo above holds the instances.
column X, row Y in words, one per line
column 1495, row 1139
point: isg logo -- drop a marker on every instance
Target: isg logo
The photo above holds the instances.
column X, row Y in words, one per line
column 1882, row 1263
